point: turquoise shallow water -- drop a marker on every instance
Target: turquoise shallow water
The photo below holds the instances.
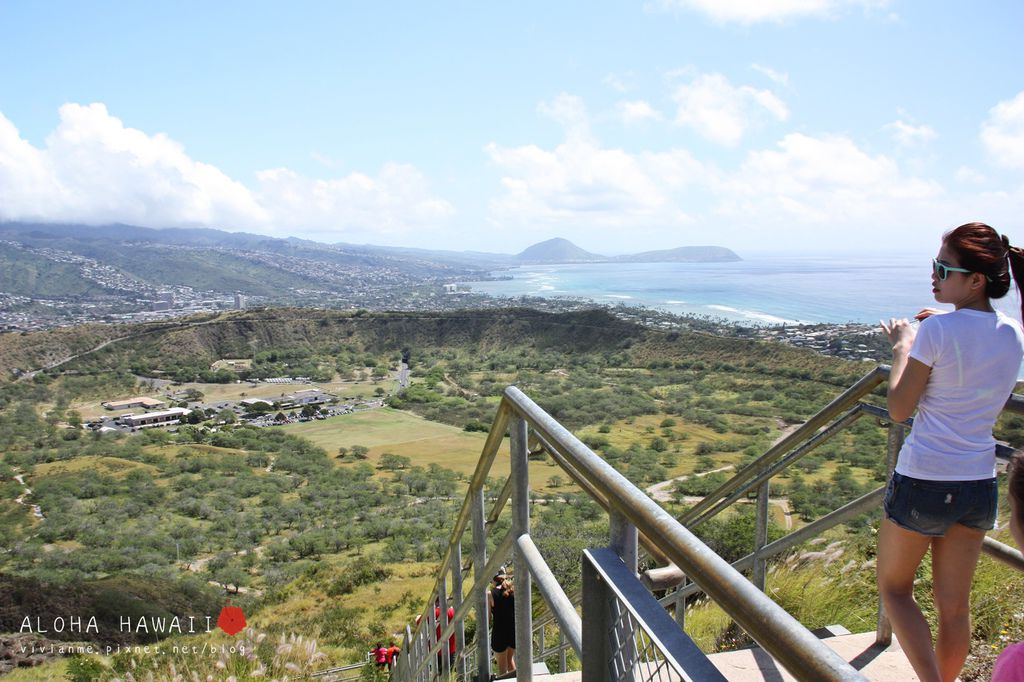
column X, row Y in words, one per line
column 761, row 289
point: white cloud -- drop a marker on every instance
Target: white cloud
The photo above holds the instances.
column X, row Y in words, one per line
column 618, row 82
column 757, row 11
column 570, row 111
column 907, row 134
column 1003, row 132
column 580, row 184
column 637, row 112
column 722, row 112
column 967, row 175
column 394, row 201
column 824, row 180
column 773, row 75
column 805, row 190
column 94, row 170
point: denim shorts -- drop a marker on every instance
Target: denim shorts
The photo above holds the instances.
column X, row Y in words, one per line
column 931, row 507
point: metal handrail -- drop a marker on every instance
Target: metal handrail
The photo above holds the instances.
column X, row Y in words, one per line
column 775, row 630
column 788, row 451
column 665, row 538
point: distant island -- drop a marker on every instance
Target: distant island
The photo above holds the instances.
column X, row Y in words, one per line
column 560, row 250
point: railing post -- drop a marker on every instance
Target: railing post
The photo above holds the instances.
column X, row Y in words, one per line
column 521, row 526
column 623, row 538
column 406, row 657
column 444, row 664
column 761, row 535
column 596, row 625
column 883, row 631
column 417, row 646
column 483, row 651
column 460, row 627
column 561, row 652
column 426, row 640
column 681, row 603
column 623, row 541
column 430, row 633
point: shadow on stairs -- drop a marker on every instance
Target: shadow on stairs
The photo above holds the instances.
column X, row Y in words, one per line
column 875, row 662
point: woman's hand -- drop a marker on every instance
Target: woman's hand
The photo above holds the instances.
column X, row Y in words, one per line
column 901, row 333
column 907, row 376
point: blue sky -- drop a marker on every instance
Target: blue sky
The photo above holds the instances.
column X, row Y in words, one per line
column 624, row 126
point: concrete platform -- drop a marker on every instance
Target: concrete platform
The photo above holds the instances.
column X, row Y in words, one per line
column 878, row 664
column 875, row 663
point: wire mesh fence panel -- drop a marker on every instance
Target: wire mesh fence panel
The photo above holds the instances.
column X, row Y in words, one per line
column 635, row 657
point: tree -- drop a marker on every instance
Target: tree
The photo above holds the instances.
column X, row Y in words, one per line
column 359, row 451
column 392, row 462
column 259, row 408
column 704, row 463
column 231, row 577
column 74, row 419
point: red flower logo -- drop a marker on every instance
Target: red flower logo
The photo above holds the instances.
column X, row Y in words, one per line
column 231, row 620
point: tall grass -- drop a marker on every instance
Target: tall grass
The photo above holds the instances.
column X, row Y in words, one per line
column 836, row 586
column 288, row 657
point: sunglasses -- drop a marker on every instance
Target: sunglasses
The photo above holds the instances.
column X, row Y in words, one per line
column 943, row 270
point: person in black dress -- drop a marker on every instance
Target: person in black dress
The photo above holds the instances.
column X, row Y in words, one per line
column 501, row 598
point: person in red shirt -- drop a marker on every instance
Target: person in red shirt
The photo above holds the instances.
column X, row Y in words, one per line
column 451, row 640
column 393, row 652
column 380, row 655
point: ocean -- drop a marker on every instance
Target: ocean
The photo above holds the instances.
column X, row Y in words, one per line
column 760, row 289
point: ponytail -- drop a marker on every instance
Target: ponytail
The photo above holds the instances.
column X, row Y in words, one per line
column 1015, row 255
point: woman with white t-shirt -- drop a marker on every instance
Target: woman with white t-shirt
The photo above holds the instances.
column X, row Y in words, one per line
column 957, row 369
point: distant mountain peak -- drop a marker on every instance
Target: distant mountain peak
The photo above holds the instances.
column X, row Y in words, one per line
column 557, row 250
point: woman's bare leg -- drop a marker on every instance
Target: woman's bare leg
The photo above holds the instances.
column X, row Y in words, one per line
column 899, row 554
column 954, row 558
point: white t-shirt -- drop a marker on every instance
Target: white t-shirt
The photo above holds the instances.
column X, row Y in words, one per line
column 975, row 357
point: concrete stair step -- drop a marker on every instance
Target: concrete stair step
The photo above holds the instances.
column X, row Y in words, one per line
column 878, row 664
column 883, row 664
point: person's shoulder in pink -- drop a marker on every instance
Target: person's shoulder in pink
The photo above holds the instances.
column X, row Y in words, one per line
column 1010, row 664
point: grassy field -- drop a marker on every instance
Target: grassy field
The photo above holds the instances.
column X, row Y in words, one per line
column 401, row 433
column 110, row 466
column 424, row 442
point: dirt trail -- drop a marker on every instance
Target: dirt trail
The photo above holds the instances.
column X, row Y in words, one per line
column 37, row 511
column 662, row 492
